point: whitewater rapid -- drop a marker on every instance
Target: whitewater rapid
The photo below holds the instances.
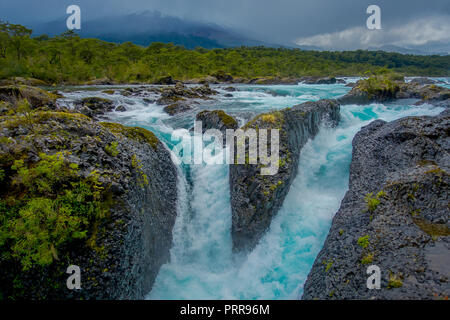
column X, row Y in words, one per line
column 202, row 265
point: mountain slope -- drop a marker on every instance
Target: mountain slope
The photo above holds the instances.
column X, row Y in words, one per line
column 147, row 27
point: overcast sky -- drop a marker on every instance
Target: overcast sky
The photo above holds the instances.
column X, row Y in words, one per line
column 325, row 23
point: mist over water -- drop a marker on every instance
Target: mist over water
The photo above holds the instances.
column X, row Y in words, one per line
column 202, row 265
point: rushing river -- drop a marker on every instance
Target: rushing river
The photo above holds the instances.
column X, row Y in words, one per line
column 202, row 265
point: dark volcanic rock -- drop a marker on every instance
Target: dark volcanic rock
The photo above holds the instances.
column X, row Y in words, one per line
column 217, row 119
column 379, row 90
column 121, row 108
column 180, row 92
column 321, row 80
column 168, row 80
column 176, row 108
column 94, row 107
column 256, row 198
column 395, row 216
column 230, row 89
column 223, row 76
column 422, row 81
column 37, row 98
column 123, row 249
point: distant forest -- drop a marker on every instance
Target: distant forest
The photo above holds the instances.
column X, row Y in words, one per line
column 69, row 59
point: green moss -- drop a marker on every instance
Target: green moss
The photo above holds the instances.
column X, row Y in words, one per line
column 425, row 162
column 436, row 171
column 367, row 259
column 432, row 229
column 112, row 149
column 363, row 241
column 35, row 96
column 134, row 133
column 272, row 120
column 38, row 117
column 136, row 164
column 381, row 194
column 395, row 281
column 226, row 119
column 328, row 264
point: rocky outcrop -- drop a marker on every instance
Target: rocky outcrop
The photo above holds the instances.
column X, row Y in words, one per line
column 384, row 89
column 423, row 81
column 222, row 76
column 216, row 119
column 22, row 81
column 168, row 80
column 256, row 198
column 395, row 215
column 180, row 92
column 273, row 80
column 101, row 196
column 230, row 89
column 99, row 82
column 321, row 80
column 176, row 108
column 37, row 98
column 94, row 107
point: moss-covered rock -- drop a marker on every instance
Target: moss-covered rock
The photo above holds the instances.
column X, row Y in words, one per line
column 136, row 133
column 36, row 97
column 256, row 198
column 216, row 119
column 166, row 80
column 22, row 81
column 403, row 165
column 76, row 192
column 94, row 107
column 176, row 108
column 390, row 87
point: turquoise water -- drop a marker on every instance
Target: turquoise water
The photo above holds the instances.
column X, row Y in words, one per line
column 202, row 265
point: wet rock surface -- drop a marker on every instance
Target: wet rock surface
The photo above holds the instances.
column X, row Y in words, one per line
column 256, row 198
column 216, row 119
column 176, row 108
column 380, row 90
column 179, row 93
column 321, row 80
column 395, row 216
column 94, row 107
column 124, row 249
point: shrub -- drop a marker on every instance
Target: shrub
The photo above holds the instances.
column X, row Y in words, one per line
column 55, row 206
column 372, row 202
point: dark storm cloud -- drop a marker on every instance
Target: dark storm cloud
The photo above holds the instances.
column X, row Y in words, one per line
column 277, row 20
